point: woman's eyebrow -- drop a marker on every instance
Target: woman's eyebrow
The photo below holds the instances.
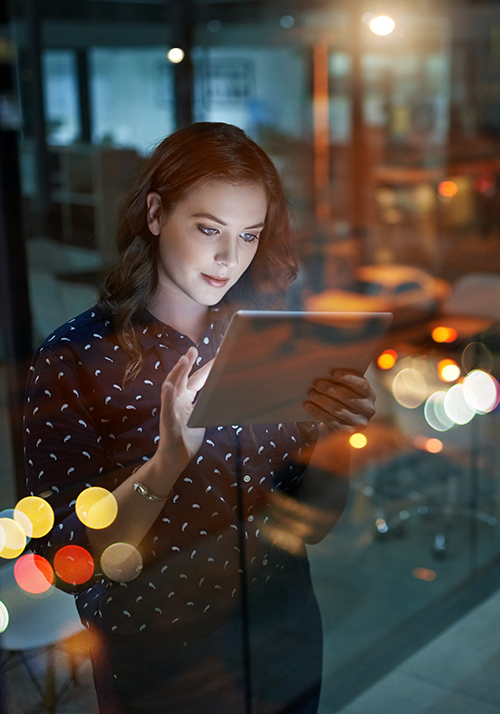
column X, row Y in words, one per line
column 221, row 222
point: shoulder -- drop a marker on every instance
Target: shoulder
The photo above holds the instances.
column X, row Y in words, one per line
column 89, row 326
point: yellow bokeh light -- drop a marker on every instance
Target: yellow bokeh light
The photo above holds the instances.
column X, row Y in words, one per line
column 444, row 334
column 175, row 55
column 121, row 562
column 382, row 25
column 37, row 513
column 387, row 359
column 358, row 441
column 96, row 507
column 12, row 538
column 448, row 370
column 4, row 617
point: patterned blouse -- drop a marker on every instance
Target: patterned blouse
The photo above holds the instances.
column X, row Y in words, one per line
column 84, row 428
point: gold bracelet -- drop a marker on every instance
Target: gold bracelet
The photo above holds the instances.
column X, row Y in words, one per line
column 143, row 491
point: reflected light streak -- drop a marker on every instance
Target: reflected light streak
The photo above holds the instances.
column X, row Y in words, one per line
column 38, row 513
column 121, row 562
column 435, row 414
column 74, row 564
column 33, row 573
column 409, row 388
column 481, row 391
column 4, row 617
column 382, row 25
column 96, row 507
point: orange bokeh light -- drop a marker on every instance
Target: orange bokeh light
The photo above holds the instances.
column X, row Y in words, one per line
column 33, row 573
column 444, row 334
column 424, row 574
column 74, row 564
column 387, row 359
column 448, row 189
column 433, row 446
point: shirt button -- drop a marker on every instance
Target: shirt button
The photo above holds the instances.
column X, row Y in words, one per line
column 246, row 478
column 250, row 518
column 265, row 561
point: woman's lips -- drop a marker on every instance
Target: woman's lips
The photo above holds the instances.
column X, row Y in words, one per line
column 214, row 281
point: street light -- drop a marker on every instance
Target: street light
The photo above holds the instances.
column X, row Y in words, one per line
column 382, row 25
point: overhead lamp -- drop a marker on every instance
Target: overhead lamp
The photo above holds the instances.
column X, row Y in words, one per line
column 382, row 25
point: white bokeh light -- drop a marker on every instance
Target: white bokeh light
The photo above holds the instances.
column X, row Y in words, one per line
column 4, row 617
column 382, row 25
column 409, row 388
column 481, row 391
column 435, row 414
column 455, row 406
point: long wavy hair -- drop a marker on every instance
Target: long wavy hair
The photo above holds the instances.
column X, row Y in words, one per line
column 205, row 151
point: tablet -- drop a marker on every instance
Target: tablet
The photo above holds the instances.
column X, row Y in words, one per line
column 268, row 361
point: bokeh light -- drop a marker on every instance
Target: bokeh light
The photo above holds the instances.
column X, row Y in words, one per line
column 96, row 507
column 444, row 334
column 447, row 189
column 435, row 414
column 433, row 446
column 409, row 388
column 424, row 574
column 12, row 538
column 455, row 406
column 481, row 391
column 34, row 515
column 4, row 617
column 175, row 55
column 358, row 441
column 382, row 25
column 74, row 564
column 448, row 370
column 387, row 359
column 121, row 562
column 477, row 356
column 33, row 573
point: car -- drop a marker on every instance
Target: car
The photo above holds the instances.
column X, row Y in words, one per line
column 410, row 293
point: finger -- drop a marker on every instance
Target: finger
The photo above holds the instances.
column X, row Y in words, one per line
column 334, row 403
column 339, row 412
column 325, row 418
column 356, row 382
column 346, row 396
column 198, row 379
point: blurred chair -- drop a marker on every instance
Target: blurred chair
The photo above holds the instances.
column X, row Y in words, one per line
column 40, row 623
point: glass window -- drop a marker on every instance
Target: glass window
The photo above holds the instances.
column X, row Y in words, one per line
column 61, row 96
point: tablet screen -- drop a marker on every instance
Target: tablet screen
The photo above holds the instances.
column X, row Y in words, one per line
column 268, row 361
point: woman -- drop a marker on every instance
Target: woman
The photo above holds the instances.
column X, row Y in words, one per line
column 222, row 616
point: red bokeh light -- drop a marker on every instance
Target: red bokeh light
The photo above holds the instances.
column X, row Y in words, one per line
column 74, row 564
column 33, row 573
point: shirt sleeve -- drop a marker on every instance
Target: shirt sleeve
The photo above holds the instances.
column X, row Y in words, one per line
column 64, row 453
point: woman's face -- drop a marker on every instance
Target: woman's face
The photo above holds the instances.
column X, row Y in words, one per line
column 208, row 240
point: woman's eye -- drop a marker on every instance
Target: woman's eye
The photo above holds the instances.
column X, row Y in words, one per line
column 207, row 231
column 249, row 237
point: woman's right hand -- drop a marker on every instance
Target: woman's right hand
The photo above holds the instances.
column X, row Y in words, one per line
column 179, row 443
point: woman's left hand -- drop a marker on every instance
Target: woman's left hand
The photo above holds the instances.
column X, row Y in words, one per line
column 342, row 402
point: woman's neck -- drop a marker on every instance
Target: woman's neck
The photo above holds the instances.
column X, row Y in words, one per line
column 188, row 319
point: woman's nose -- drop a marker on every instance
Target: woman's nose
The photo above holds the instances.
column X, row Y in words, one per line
column 227, row 254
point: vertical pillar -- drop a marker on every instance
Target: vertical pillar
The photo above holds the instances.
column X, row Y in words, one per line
column 182, row 35
column 82, row 70
column 321, row 130
column 14, row 298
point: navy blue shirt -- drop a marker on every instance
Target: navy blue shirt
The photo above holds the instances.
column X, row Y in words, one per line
column 84, row 428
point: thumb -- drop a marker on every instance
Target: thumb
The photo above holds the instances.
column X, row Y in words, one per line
column 198, row 379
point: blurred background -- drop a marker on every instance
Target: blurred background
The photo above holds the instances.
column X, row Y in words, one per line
column 384, row 121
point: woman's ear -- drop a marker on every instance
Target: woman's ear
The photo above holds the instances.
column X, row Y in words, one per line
column 154, row 212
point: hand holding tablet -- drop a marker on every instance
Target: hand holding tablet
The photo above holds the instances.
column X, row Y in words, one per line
column 269, row 361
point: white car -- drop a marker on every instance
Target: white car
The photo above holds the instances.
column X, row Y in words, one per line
column 410, row 293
